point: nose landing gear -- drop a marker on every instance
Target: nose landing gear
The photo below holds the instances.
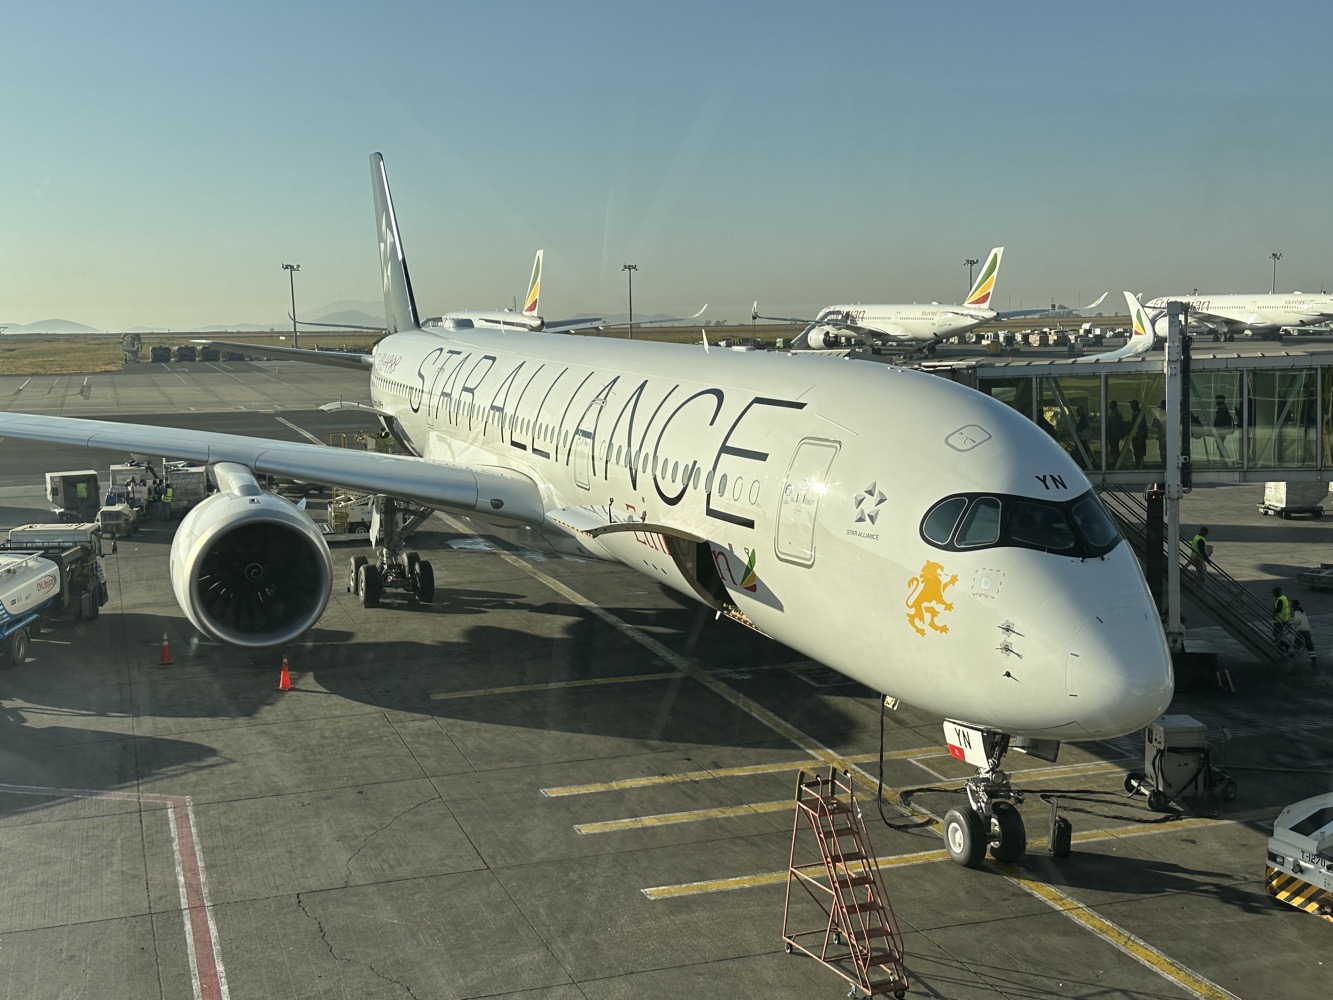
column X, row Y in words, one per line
column 991, row 818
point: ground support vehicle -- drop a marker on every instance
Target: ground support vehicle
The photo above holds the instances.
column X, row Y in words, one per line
column 1300, row 856
column 29, row 584
column 392, row 564
column 118, row 520
column 74, row 549
column 1288, row 500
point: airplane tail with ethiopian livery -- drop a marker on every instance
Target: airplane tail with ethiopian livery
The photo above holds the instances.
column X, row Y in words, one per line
column 980, row 296
column 534, row 287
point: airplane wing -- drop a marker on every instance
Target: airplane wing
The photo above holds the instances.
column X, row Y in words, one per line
column 832, row 321
column 1019, row 313
column 488, row 490
column 337, row 359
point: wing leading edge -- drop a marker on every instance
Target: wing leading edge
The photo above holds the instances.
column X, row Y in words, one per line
column 488, row 490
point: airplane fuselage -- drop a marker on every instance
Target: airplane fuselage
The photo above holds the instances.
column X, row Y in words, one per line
column 1253, row 312
column 730, row 477
column 920, row 323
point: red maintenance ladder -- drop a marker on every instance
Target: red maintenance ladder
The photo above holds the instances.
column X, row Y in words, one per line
column 833, row 866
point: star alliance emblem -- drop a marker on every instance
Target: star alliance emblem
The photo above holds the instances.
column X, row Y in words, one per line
column 868, row 502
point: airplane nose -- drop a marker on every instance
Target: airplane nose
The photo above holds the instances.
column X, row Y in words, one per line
column 1118, row 672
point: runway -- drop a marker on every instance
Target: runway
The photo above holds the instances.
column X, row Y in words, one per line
column 560, row 781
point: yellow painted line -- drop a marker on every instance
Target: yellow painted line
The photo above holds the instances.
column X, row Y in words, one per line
column 552, row 686
column 1116, row 936
column 649, row 781
column 922, row 857
column 730, row 812
column 689, row 816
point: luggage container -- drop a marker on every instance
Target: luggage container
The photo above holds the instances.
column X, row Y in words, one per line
column 1289, row 499
column 75, row 495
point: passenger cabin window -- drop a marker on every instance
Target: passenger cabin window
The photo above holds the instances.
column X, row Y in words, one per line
column 1079, row 527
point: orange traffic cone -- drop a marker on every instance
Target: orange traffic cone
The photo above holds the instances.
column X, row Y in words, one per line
column 285, row 678
column 165, row 661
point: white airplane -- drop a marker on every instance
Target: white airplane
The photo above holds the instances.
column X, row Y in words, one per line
column 917, row 325
column 1260, row 312
column 962, row 563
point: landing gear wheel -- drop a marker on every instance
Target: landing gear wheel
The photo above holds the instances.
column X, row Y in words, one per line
column 1010, row 838
column 354, row 580
column 1157, row 800
column 423, row 581
column 18, row 648
column 410, row 559
column 964, row 838
column 370, row 585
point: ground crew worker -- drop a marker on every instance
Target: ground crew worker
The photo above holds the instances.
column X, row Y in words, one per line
column 1201, row 554
column 1301, row 623
column 81, row 491
column 166, row 493
column 1281, row 613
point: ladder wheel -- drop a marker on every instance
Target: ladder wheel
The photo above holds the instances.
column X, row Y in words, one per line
column 788, row 947
column 1157, row 800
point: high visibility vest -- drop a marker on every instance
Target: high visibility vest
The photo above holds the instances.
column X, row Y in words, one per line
column 1282, row 608
column 1200, row 546
column 166, row 495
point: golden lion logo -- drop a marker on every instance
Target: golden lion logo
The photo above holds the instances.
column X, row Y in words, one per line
column 925, row 596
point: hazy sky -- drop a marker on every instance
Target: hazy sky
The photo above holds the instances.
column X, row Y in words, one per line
column 161, row 160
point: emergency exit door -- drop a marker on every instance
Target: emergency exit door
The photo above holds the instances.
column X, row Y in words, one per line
column 802, row 493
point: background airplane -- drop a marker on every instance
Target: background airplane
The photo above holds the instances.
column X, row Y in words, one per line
column 760, row 485
column 1259, row 312
column 913, row 326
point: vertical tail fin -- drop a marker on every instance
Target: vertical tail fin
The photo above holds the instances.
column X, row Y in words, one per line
column 1142, row 331
column 534, row 287
column 400, row 308
column 980, row 295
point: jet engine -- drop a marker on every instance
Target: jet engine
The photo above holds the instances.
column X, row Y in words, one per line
column 248, row 568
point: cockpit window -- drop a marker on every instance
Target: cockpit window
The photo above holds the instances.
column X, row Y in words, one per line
column 1093, row 524
column 982, row 524
column 943, row 518
column 1040, row 526
column 1078, row 527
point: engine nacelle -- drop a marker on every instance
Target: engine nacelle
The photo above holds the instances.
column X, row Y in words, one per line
column 250, row 569
column 820, row 338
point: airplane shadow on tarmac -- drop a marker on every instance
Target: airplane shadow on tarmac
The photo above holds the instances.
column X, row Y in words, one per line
column 431, row 677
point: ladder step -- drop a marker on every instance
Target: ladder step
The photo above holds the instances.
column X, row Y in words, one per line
column 869, row 907
column 852, row 881
column 848, row 857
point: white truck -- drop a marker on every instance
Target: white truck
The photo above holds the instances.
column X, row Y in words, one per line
column 29, row 584
column 1300, row 856
column 74, row 550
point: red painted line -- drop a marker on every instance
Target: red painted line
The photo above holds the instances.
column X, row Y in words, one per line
column 206, row 971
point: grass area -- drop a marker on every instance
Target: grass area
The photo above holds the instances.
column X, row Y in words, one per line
column 69, row 353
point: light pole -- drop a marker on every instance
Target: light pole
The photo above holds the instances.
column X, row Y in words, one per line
column 1276, row 257
column 291, row 270
column 970, row 263
column 629, row 270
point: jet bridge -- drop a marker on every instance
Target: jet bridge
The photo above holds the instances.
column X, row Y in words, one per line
column 1252, row 418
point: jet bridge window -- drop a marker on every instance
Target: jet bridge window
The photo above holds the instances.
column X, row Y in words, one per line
column 1078, row 527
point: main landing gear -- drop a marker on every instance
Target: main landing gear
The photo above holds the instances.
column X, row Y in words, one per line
column 392, row 564
column 991, row 817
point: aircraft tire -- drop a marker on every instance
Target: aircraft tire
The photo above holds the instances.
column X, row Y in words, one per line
column 964, row 837
column 423, row 581
column 354, row 578
column 1011, row 839
column 371, row 585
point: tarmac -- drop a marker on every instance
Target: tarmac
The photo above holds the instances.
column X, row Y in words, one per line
column 561, row 781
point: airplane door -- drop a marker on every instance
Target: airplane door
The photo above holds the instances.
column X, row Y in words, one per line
column 581, row 458
column 804, row 488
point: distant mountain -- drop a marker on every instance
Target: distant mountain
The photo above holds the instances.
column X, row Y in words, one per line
column 49, row 326
column 350, row 317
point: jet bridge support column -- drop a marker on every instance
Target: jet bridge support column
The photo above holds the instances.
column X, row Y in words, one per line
column 1175, row 409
